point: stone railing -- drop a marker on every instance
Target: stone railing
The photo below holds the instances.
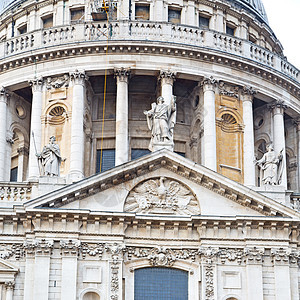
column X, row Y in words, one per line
column 145, row 31
column 14, row 192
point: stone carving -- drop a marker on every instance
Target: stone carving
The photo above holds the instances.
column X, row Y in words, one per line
column 122, row 74
column 42, row 247
column 228, row 90
column 280, row 256
column 37, row 84
column 70, row 247
column 98, row 249
column 272, row 166
column 254, row 255
column 162, row 196
column 78, row 77
column 209, row 282
column 50, row 158
column 161, row 119
column 231, row 255
column 57, row 82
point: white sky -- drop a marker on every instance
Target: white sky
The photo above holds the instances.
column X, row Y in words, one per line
column 284, row 19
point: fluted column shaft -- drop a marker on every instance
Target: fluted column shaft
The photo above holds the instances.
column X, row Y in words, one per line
column 297, row 123
column 249, row 157
column 209, row 124
column 3, row 121
column 167, row 79
column 122, row 142
column 35, row 127
column 77, row 131
column 279, row 136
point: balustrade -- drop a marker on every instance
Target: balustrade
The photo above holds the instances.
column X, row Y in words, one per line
column 14, row 192
column 147, row 31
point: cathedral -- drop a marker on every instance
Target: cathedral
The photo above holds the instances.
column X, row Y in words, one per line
column 149, row 150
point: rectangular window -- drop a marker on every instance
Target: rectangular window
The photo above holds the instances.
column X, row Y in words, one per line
column 48, row 21
column 180, row 153
column 204, row 22
column 174, row 15
column 77, row 14
column 14, row 174
column 142, row 12
column 230, row 30
column 22, row 29
column 137, row 153
column 107, row 161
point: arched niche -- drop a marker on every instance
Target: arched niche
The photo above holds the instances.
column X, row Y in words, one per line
column 90, row 294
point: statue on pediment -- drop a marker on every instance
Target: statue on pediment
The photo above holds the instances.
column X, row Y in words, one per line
column 161, row 119
column 272, row 166
column 50, row 158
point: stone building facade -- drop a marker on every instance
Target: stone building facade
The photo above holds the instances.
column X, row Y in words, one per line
column 216, row 218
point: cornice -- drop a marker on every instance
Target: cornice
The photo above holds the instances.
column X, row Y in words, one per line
column 191, row 53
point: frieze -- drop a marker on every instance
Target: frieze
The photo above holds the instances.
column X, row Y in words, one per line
column 228, row 90
column 162, row 196
column 57, row 82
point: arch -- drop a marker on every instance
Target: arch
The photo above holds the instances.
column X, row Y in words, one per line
column 16, row 127
column 231, row 297
column 90, row 294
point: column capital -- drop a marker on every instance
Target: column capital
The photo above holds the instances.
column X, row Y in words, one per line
column 36, row 84
column 4, row 95
column 39, row 247
column 78, row 77
column 70, row 248
column 209, row 84
column 254, row 255
column 247, row 93
column 278, row 107
column 122, row 74
column 280, row 256
column 9, row 285
column 168, row 76
column 23, row 150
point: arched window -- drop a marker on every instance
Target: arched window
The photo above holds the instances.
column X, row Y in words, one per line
column 91, row 296
column 160, row 284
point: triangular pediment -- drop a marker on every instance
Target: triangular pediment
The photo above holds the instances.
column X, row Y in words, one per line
column 162, row 182
column 6, row 267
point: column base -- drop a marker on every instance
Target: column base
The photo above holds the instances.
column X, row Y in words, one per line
column 275, row 192
column 162, row 145
column 74, row 176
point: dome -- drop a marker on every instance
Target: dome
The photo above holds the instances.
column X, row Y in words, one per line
column 255, row 6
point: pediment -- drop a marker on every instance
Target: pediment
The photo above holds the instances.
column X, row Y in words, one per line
column 6, row 267
column 162, row 182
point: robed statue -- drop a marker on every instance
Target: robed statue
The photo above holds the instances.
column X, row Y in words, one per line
column 50, row 158
column 161, row 119
column 271, row 166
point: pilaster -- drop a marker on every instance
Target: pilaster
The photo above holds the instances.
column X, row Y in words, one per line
column 9, row 286
column 122, row 142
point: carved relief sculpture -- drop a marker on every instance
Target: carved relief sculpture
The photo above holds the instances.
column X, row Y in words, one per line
column 50, row 158
column 272, row 166
column 162, row 196
column 161, row 119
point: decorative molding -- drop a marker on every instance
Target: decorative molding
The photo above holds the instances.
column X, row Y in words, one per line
column 70, row 247
column 39, row 247
column 280, row 256
column 58, row 82
column 96, row 250
column 4, row 95
column 254, row 255
column 162, row 196
column 228, row 90
column 9, row 285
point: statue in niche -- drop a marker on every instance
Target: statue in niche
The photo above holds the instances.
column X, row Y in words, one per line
column 161, row 119
column 50, row 158
column 272, row 166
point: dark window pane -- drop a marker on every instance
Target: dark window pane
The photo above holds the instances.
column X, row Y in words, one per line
column 22, row 29
column 77, row 14
column 142, row 12
column 174, row 16
column 229, row 30
column 203, row 22
column 14, row 174
column 48, row 22
column 180, row 153
column 137, row 153
column 108, row 160
column 160, row 284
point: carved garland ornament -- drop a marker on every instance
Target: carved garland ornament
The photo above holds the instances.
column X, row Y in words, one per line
column 162, row 196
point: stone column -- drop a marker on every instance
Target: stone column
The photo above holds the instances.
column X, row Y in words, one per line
column 35, row 127
column 29, row 275
column 249, row 157
column 9, row 285
column 122, row 142
column 219, row 20
column 282, row 274
column 76, row 172
column 167, row 78
column 209, row 124
column 69, row 252
column 278, row 109
column 297, row 124
column 254, row 259
column 22, row 151
column 3, row 127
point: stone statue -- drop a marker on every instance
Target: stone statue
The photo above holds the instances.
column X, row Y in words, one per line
column 161, row 120
column 50, row 158
column 272, row 166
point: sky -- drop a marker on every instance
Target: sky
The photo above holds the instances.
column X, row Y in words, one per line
column 284, row 19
